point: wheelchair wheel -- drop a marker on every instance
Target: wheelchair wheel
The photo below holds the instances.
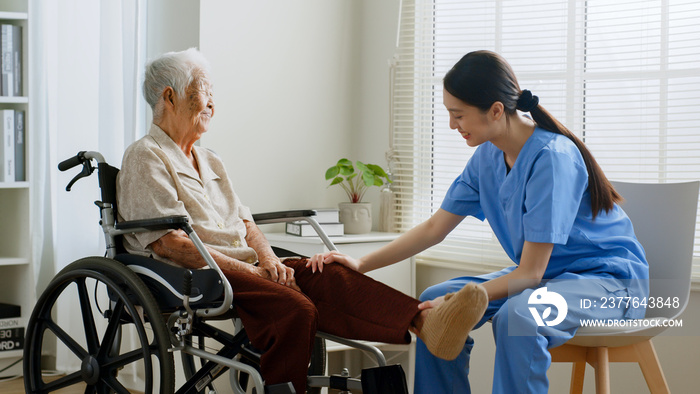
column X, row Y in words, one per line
column 119, row 346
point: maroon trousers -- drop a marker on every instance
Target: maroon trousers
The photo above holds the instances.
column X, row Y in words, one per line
column 282, row 322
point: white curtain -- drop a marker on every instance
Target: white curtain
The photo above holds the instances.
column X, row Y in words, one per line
column 87, row 59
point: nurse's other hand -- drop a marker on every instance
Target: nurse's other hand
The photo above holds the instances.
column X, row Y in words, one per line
column 431, row 303
column 317, row 261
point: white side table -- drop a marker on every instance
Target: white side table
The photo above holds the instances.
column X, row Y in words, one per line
column 400, row 276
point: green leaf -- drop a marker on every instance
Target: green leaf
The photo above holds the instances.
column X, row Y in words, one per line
column 336, row 181
column 377, row 170
column 368, row 178
column 351, row 176
column 345, row 171
column 378, row 181
column 345, row 163
column 332, row 172
column 361, row 166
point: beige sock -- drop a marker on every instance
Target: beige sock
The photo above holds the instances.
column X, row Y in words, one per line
column 446, row 327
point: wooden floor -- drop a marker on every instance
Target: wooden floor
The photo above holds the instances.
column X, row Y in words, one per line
column 16, row 386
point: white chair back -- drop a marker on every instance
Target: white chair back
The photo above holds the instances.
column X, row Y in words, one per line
column 664, row 216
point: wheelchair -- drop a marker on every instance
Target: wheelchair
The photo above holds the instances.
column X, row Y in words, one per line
column 137, row 312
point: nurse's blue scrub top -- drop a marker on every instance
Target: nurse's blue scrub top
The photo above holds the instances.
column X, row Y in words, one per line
column 544, row 198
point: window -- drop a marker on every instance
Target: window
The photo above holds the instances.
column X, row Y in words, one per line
column 623, row 75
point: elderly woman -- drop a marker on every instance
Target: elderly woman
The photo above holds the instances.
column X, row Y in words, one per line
column 281, row 303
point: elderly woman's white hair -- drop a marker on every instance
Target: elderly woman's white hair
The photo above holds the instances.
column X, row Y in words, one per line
column 174, row 69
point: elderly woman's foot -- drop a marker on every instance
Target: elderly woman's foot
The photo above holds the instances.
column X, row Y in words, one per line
column 447, row 326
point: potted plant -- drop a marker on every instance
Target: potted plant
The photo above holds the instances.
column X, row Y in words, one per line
column 355, row 214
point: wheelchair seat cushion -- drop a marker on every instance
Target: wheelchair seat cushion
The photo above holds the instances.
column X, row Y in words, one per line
column 165, row 282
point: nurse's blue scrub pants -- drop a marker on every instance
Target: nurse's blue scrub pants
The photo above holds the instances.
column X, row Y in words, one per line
column 522, row 359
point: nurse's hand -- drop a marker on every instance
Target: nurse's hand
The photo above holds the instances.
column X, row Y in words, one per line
column 431, row 303
column 317, row 261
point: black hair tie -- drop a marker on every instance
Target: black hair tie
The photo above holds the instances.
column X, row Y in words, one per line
column 527, row 101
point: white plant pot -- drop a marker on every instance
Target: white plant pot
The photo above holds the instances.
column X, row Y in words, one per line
column 356, row 217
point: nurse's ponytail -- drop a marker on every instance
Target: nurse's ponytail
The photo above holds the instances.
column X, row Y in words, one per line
column 481, row 78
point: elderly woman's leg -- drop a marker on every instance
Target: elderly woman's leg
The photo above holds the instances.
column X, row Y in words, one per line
column 355, row 306
column 279, row 321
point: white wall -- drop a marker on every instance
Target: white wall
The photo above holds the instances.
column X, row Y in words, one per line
column 377, row 27
column 172, row 25
column 283, row 87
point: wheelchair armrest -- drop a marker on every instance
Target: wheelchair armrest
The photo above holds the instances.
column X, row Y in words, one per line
column 164, row 223
column 307, row 215
column 282, row 216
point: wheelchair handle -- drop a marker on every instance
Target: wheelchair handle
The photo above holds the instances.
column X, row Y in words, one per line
column 72, row 162
column 83, row 157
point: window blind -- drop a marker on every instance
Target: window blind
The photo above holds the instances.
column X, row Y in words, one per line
column 623, row 75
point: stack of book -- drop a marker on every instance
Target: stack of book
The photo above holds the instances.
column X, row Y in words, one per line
column 329, row 219
column 11, row 328
column 12, row 157
column 12, row 162
column 11, row 60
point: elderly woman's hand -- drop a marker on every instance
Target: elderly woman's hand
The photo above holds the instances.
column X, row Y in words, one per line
column 277, row 272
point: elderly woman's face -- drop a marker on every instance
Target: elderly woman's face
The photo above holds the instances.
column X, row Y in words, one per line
column 198, row 107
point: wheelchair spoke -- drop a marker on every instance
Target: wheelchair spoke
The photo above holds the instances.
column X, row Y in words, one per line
column 128, row 358
column 90, row 390
column 65, row 381
column 113, row 384
column 66, row 339
column 112, row 329
column 88, row 319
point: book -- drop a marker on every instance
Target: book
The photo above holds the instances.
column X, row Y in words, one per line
column 304, row 229
column 7, row 151
column 17, row 60
column 9, row 311
column 327, row 215
column 6, row 60
column 20, row 163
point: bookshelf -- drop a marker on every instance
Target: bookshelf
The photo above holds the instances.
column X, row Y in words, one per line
column 15, row 235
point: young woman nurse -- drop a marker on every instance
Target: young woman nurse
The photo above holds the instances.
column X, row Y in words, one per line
column 555, row 215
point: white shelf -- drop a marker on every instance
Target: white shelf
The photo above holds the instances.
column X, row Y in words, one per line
column 18, row 285
column 14, row 185
column 5, row 261
column 14, row 99
column 13, row 16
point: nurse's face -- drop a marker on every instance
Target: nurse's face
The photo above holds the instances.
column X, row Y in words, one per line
column 470, row 121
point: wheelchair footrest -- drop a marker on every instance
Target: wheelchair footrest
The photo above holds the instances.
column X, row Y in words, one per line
column 280, row 388
column 388, row 379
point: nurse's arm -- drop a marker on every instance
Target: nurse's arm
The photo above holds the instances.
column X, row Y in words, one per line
column 533, row 264
column 414, row 241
